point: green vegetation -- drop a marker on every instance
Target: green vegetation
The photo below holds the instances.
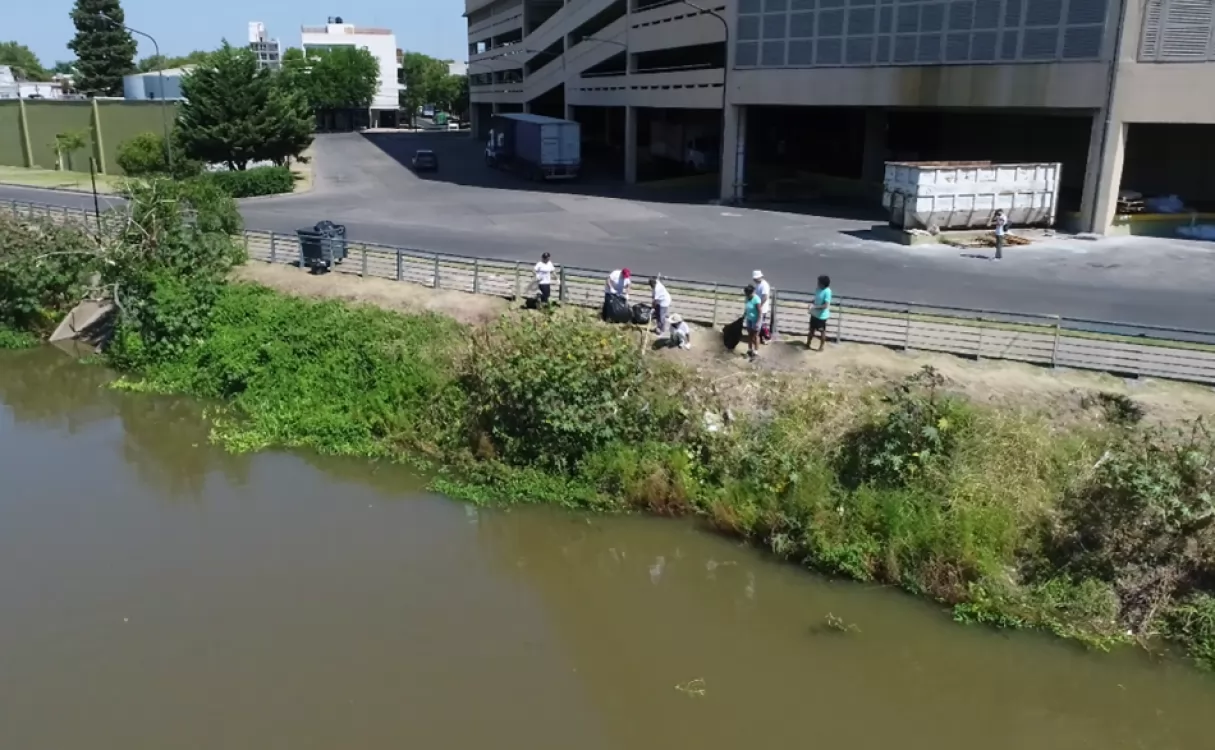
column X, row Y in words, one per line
column 339, row 78
column 256, row 181
column 23, row 61
column 105, row 51
column 1103, row 534
column 145, row 155
column 429, row 81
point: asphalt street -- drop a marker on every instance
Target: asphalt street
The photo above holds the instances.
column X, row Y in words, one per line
column 466, row 208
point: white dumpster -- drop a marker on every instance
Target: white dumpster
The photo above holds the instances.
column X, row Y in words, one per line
column 965, row 195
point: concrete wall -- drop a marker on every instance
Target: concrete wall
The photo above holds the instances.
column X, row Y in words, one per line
column 115, row 123
column 1062, row 86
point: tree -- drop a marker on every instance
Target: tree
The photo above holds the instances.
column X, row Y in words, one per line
column 105, row 51
column 344, row 77
column 236, row 112
column 23, row 61
column 153, row 63
column 64, row 67
column 145, row 155
column 424, row 76
column 67, row 143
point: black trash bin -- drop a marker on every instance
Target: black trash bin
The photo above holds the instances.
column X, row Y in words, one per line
column 334, row 236
column 314, row 250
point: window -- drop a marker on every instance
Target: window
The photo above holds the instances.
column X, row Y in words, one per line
column 1178, row 31
column 937, row 32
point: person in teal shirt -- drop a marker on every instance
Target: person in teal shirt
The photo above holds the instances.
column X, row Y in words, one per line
column 820, row 313
column 751, row 320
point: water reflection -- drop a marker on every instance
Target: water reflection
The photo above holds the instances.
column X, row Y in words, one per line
column 47, row 387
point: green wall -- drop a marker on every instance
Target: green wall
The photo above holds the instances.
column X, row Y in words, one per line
column 117, row 121
column 12, row 153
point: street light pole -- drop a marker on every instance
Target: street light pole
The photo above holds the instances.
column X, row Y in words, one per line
column 725, row 81
column 164, row 117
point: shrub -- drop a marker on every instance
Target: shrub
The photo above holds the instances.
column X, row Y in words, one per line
column 145, row 156
column 44, row 269
column 248, row 183
column 1192, row 623
column 916, row 432
column 553, row 388
column 1144, row 520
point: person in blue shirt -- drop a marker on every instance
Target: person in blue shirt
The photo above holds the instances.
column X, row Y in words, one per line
column 751, row 320
column 820, row 313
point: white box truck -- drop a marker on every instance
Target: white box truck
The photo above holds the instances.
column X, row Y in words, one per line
column 538, row 147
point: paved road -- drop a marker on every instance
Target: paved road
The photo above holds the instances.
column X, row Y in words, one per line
column 468, row 209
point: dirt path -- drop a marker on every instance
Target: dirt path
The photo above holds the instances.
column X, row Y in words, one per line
column 1064, row 394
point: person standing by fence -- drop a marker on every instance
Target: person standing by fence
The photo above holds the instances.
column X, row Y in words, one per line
column 662, row 305
column 763, row 290
column 1001, row 222
column 751, row 321
column 820, row 313
column 544, row 277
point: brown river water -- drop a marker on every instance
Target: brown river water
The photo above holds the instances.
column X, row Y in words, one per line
column 157, row 593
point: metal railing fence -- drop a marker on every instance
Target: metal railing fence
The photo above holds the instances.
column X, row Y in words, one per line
column 1057, row 341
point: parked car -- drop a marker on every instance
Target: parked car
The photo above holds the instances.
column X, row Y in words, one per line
column 453, row 125
column 425, row 160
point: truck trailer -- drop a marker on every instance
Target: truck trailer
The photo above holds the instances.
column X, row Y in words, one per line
column 538, row 147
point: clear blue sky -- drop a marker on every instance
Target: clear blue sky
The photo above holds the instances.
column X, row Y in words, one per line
column 433, row 27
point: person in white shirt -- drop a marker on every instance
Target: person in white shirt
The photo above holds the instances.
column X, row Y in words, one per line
column 681, row 335
column 763, row 290
column 618, row 283
column 1001, row 223
column 662, row 305
column 544, row 277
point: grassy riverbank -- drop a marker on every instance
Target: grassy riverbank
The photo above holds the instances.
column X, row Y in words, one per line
column 1102, row 532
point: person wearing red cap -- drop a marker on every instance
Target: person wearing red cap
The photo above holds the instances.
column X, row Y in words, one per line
column 618, row 283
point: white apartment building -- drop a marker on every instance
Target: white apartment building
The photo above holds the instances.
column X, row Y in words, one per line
column 381, row 43
column 269, row 52
column 812, row 97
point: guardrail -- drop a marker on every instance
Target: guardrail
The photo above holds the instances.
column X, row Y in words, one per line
column 1119, row 348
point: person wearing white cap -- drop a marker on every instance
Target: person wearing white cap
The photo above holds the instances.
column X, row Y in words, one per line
column 763, row 290
column 681, row 335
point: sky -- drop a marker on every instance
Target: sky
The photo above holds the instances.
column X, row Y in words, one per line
column 433, row 27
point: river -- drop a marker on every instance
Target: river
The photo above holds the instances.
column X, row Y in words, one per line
column 157, row 592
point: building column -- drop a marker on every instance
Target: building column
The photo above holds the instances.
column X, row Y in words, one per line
column 873, row 161
column 569, row 111
column 734, row 154
column 495, row 108
column 1103, row 175
column 527, row 106
column 474, row 121
column 630, row 145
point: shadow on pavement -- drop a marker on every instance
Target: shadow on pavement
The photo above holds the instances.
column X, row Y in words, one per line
column 462, row 162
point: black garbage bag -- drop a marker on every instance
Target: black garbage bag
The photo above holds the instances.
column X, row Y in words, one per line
column 642, row 313
column 732, row 334
column 616, row 310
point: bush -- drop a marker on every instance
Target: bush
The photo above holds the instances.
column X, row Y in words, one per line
column 553, row 388
column 1145, row 520
column 1192, row 623
column 248, row 183
column 44, row 270
column 145, row 156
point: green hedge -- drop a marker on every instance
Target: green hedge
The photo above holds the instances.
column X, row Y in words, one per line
column 256, row 181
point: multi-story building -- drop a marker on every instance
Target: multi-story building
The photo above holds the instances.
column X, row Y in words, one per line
column 807, row 97
column 381, row 43
column 269, row 52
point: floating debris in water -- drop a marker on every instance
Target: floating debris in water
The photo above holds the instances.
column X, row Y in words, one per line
column 836, row 624
column 656, row 570
column 694, row 688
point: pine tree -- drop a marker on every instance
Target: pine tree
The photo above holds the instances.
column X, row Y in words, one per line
column 105, row 50
column 235, row 112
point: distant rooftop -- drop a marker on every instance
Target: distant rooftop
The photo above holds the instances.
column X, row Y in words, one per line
column 168, row 71
column 346, row 29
